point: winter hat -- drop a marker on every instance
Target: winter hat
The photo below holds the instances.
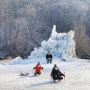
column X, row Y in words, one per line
column 48, row 51
column 55, row 66
column 38, row 63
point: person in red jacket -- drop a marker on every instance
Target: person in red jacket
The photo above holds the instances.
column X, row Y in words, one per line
column 38, row 69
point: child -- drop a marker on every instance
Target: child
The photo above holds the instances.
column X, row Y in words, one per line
column 38, row 69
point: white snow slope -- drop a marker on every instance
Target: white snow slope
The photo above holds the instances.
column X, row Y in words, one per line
column 77, row 75
column 77, row 71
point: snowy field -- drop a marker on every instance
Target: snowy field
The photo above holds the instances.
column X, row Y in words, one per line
column 77, row 75
column 62, row 47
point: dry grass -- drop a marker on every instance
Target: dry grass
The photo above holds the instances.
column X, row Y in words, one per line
column 6, row 60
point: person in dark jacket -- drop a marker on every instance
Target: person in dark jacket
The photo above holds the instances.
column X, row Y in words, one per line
column 49, row 57
column 56, row 74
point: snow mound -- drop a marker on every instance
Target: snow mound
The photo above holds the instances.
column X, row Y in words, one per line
column 59, row 44
column 20, row 61
column 17, row 60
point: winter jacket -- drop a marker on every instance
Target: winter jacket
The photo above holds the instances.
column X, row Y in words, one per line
column 38, row 68
column 48, row 56
column 56, row 72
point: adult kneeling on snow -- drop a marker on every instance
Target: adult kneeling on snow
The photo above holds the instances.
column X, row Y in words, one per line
column 56, row 74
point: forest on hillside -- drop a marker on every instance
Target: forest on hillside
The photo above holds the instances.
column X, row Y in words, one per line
column 24, row 24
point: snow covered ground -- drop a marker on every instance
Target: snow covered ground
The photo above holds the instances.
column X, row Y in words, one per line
column 77, row 75
column 62, row 46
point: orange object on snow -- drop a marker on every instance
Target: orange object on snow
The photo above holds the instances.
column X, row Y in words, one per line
column 64, row 74
column 51, row 75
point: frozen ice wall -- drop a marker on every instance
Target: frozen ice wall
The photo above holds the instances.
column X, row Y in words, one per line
column 59, row 44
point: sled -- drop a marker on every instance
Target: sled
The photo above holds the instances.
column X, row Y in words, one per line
column 24, row 73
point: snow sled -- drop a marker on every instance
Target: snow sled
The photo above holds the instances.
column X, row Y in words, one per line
column 24, row 73
column 57, row 79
